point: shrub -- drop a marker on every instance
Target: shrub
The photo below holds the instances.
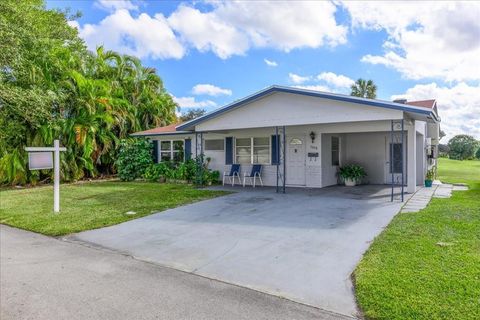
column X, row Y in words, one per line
column 430, row 175
column 477, row 154
column 133, row 158
column 462, row 147
column 155, row 171
column 352, row 171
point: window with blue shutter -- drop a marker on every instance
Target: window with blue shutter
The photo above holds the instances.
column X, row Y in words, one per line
column 155, row 151
column 229, row 150
column 188, row 149
column 275, row 153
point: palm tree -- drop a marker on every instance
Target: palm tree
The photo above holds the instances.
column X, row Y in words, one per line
column 364, row 89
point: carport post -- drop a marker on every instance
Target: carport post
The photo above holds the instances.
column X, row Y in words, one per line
column 280, row 154
column 199, row 158
column 403, row 156
column 284, row 157
column 391, row 166
column 277, row 154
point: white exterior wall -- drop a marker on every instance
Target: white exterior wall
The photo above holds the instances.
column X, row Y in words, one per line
column 364, row 143
column 370, row 150
column 292, row 110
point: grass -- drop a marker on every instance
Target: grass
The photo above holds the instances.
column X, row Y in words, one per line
column 92, row 205
column 426, row 265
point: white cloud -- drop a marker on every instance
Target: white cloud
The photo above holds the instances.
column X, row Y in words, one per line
column 226, row 28
column 143, row 36
column 208, row 32
column 315, row 88
column 426, row 39
column 458, row 106
column 270, row 63
column 337, row 80
column 113, row 5
column 210, row 90
column 295, row 78
column 233, row 27
column 190, row 102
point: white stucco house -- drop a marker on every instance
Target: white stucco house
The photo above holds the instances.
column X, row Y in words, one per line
column 302, row 137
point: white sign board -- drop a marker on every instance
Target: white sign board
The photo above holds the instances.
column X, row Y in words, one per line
column 40, row 160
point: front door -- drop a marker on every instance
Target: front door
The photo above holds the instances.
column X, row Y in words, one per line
column 295, row 161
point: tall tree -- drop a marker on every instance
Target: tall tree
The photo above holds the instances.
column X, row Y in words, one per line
column 462, row 147
column 52, row 87
column 192, row 114
column 364, row 89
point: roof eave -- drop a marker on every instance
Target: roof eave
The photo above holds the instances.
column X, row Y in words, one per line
column 173, row 133
column 319, row 94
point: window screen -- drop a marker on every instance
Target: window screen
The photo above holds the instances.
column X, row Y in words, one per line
column 335, row 151
column 252, row 150
column 214, row 145
column 397, row 157
column 261, row 150
column 172, row 150
column 243, row 150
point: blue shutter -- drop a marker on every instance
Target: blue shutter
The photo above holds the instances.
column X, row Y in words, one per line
column 229, row 150
column 155, row 151
column 275, row 154
column 188, row 149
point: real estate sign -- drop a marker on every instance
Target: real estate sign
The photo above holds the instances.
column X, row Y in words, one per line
column 40, row 160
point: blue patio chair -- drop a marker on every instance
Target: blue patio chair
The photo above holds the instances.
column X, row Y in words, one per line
column 254, row 174
column 234, row 172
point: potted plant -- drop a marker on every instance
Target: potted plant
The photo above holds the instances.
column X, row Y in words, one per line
column 429, row 178
column 352, row 174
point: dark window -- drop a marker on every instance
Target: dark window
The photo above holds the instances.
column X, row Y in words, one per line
column 172, row 150
column 397, row 157
column 214, row 145
column 335, row 151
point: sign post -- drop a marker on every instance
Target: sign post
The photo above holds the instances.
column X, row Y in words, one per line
column 40, row 158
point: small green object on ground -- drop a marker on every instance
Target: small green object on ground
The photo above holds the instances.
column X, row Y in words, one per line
column 426, row 264
column 86, row 206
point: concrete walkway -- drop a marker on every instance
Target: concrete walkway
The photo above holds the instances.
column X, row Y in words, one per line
column 43, row 278
column 422, row 197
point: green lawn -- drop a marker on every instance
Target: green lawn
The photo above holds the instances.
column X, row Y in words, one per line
column 92, row 205
column 426, row 265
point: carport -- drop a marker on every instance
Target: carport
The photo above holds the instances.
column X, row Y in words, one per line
column 302, row 245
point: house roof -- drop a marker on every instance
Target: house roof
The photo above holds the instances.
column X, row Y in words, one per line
column 426, row 111
column 423, row 103
column 166, row 130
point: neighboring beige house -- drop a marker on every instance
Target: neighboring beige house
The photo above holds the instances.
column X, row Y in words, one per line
column 305, row 136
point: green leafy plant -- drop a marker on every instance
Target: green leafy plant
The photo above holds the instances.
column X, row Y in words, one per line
column 352, row 171
column 462, row 147
column 133, row 158
column 51, row 87
column 430, row 176
column 155, row 171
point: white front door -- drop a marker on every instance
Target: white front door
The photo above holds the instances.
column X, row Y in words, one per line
column 295, row 161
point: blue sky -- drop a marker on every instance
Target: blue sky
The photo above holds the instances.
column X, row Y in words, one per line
column 211, row 53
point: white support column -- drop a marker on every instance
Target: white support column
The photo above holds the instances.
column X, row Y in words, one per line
column 411, row 158
column 56, row 176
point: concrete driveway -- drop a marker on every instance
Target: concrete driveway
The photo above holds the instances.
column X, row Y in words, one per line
column 302, row 245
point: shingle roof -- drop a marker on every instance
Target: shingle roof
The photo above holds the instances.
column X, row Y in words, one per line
column 171, row 128
column 423, row 103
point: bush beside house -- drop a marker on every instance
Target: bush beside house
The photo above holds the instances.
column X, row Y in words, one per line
column 135, row 161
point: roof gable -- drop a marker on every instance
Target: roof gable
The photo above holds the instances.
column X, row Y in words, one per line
column 332, row 96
